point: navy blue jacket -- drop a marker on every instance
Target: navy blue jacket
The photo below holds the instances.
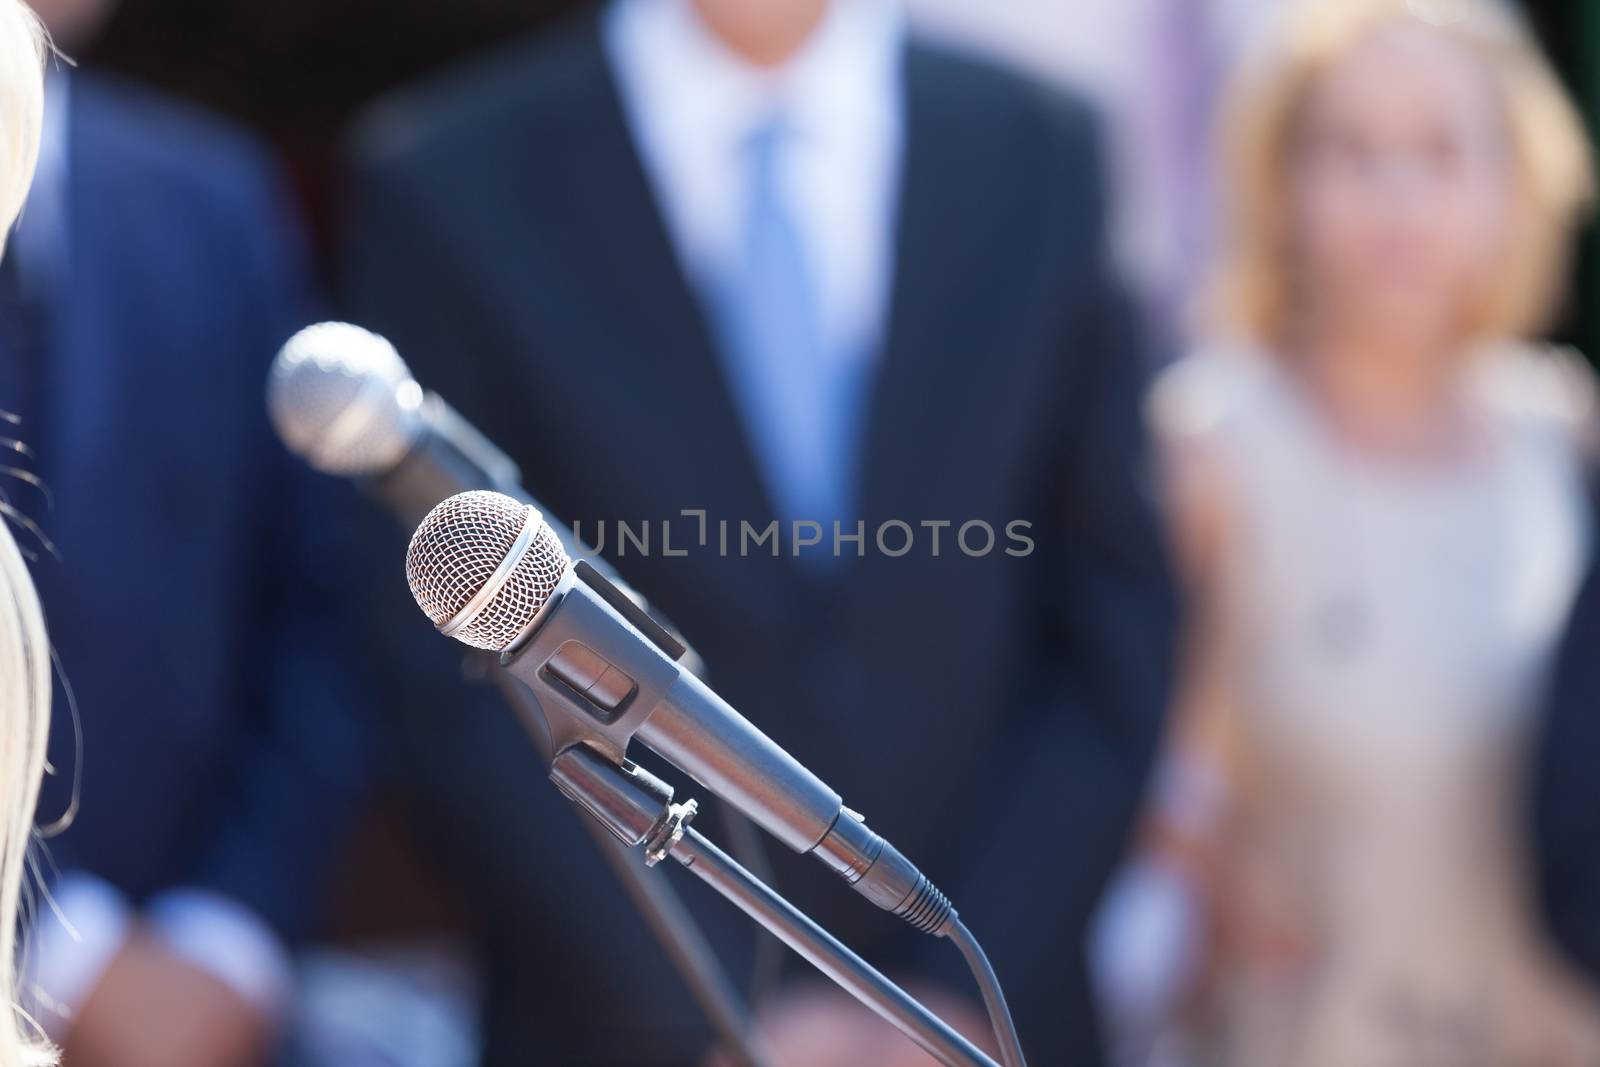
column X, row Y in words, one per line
column 193, row 600
column 1566, row 788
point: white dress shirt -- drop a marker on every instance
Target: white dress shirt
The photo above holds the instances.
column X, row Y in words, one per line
column 87, row 920
column 692, row 104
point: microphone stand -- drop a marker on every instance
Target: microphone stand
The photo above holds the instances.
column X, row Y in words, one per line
column 611, row 792
column 637, row 809
column 674, row 928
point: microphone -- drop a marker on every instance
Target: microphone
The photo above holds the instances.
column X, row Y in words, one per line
column 491, row 571
column 343, row 400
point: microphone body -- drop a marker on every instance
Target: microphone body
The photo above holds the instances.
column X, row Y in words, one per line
column 447, row 455
column 603, row 682
column 603, row 678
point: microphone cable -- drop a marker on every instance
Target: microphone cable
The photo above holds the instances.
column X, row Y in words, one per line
column 994, row 999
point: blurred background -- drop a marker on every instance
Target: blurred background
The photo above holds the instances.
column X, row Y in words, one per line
column 299, row 72
column 390, row 912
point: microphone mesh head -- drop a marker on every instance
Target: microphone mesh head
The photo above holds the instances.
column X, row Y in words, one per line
column 456, row 552
column 342, row 399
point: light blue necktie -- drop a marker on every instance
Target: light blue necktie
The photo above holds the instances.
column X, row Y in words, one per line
column 800, row 400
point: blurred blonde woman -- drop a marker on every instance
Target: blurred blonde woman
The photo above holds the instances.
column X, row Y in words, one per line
column 24, row 648
column 1378, row 494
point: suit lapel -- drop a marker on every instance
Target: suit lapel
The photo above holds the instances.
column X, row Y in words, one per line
column 685, row 431
column 930, row 373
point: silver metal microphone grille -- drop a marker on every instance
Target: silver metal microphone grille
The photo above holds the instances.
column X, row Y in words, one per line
column 461, row 552
column 342, row 399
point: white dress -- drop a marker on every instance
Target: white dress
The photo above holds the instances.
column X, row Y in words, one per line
column 1393, row 628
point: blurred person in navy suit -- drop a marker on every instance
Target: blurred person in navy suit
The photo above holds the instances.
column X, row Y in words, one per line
column 156, row 269
column 781, row 262
column 1566, row 802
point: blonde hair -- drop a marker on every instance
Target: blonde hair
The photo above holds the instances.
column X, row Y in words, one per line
column 1554, row 176
column 22, row 52
column 25, row 682
column 25, row 677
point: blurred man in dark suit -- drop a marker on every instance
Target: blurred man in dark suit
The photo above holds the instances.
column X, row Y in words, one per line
column 777, row 262
column 1566, row 797
column 156, row 270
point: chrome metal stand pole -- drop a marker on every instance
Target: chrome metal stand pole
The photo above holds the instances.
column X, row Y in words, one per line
column 674, row 928
column 637, row 808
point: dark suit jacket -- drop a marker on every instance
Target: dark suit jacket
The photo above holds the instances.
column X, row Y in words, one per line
column 1567, row 788
column 190, row 604
column 993, row 716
